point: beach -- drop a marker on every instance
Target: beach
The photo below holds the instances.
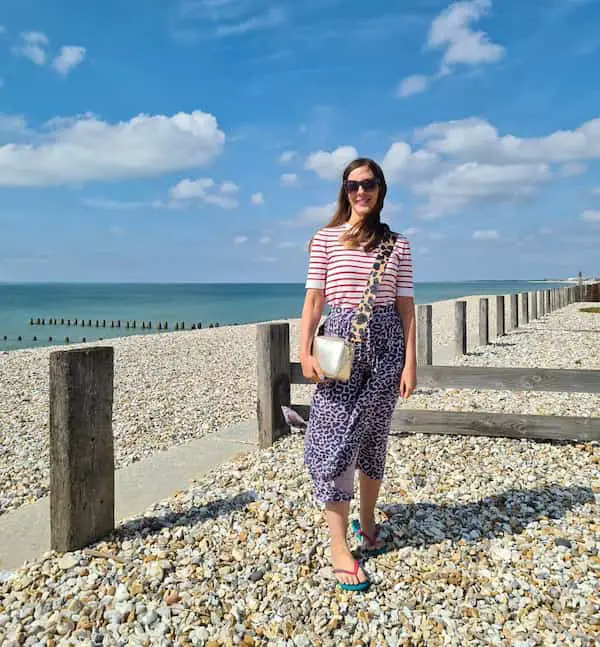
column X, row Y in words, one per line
column 494, row 540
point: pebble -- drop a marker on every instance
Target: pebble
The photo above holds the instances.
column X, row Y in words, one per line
column 492, row 542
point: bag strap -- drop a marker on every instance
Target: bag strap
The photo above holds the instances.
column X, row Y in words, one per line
column 367, row 302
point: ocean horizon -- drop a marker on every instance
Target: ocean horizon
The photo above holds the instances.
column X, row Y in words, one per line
column 192, row 303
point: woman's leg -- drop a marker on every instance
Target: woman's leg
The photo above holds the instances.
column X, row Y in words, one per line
column 341, row 557
column 369, row 491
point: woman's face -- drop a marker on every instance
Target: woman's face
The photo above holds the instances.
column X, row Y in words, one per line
column 362, row 189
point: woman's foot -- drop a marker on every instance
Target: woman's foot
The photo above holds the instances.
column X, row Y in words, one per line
column 345, row 567
column 367, row 533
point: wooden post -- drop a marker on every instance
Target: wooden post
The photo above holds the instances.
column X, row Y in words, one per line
column 460, row 327
column 500, row 326
column 541, row 303
column 82, row 493
column 579, row 286
column 525, row 307
column 484, row 322
column 548, row 302
column 424, row 335
column 273, row 376
column 534, row 305
column 514, row 311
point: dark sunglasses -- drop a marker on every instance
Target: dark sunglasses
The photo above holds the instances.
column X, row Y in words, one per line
column 352, row 186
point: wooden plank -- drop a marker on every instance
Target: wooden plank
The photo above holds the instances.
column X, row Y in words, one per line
column 500, row 317
column 424, row 335
column 460, row 327
column 514, row 311
column 272, row 380
column 496, row 425
column 82, row 471
column 533, row 301
column 541, row 303
column 484, row 322
column 525, row 307
column 485, row 378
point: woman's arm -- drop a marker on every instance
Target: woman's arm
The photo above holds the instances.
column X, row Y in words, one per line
column 314, row 302
column 406, row 309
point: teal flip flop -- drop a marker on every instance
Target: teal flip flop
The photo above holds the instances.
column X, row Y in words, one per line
column 360, row 535
column 363, row 586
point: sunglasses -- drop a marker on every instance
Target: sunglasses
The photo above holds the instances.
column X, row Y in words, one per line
column 352, row 186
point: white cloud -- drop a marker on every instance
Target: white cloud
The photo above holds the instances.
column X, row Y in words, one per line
column 414, row 84
column 289, row 179
column 330, row 166
column 591, row 215
column 85, row 148
column 452, row 191
column 411, row 231
column 188, row 192
column 287, row 156
column 402, row 164
column 286, row 244
column 229, row 187
column 113, row 205
column 32, row 46
column 272, row 18
column 452, row 32
column 69, row 57
column 476, row 139
column 486, row 234
column 572, row 169
column 257, row 198
column 315, row 215
column 240, row 240
column 265, row 240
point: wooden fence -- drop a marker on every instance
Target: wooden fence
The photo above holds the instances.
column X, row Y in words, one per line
column 82, row 486
column 276, row 373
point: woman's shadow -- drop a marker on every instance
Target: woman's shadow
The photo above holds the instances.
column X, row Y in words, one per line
column 425, row 524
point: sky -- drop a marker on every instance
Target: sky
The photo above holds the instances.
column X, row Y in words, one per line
column 204, row 140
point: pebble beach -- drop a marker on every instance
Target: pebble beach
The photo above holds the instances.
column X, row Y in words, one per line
column 492, row 541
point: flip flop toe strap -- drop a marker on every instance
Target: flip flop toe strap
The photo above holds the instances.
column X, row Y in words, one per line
column 342, row 570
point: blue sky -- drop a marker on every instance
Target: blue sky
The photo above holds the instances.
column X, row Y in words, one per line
column 202, row 140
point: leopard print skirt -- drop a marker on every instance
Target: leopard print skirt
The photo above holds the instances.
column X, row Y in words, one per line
column 350, row 421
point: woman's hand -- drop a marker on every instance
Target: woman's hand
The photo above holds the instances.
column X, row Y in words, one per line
column 408, row 381
column 311, row 369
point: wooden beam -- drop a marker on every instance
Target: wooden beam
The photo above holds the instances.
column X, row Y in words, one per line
column 82, row 470
column 500, row 325
column 494, row 425
column 460, row 327
column 467, row 423
column 484, row 322
column 556, row 380
column 514, row 311
column 273, row 380
column 424, row 335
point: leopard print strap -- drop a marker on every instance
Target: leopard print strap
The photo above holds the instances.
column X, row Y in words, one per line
column 365, row 308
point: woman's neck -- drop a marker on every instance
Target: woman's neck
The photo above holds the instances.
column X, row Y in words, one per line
column 355, row 219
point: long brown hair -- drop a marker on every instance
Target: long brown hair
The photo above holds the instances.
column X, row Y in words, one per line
column 371, row 231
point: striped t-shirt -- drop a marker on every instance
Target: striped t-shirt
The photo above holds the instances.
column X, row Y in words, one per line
column 342, row 272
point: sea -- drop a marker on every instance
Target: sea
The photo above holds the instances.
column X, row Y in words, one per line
column 198, row 304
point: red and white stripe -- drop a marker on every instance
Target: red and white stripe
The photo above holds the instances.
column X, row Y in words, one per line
column 342, row 272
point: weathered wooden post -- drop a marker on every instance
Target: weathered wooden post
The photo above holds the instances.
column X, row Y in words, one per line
column 500, row 326
column 424, row 335
column 514, row 311
column 460, row 327
column 548, row 302
column 579, row 286
column 541, row 303
column 82, row 493
column 484, row 322
column 273, row 376
column 533, row 304
column 525, row 307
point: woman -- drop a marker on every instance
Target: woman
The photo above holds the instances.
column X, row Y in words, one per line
column 349, row 421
